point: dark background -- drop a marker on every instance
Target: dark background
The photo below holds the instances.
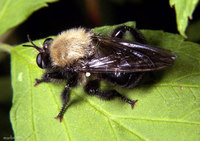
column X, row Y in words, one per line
column 64, row 14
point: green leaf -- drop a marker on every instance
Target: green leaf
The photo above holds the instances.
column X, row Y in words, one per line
column 168, row 109
column 14, row 12
column 184, row 9
column 192, row 33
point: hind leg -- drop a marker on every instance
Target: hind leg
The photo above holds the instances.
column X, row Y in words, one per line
column 120, row 31
column 92, row 88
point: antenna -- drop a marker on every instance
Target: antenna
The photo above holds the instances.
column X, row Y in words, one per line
column 33, row 45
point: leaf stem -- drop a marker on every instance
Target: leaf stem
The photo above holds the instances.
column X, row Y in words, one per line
column 6, row 47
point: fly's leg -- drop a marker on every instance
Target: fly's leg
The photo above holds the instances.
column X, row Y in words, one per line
column 49, row 77
column 92, row 88
column 65, row 96
column 120, row 31
column 65, row 99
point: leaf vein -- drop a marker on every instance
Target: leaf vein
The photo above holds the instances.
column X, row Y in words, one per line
column 195, row 98
column 175, row 92
column 164, row 121
column 4, row 9
column 25, row 58
column 189, row 75
column 161, row 94
column 188, row 114
column 32, row 116
column 195, row 58
column 112, row 129
column 107, row 115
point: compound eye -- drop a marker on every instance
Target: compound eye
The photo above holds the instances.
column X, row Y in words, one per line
column 40, row 61
column 47, row 43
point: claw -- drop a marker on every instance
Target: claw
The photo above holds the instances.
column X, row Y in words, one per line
column 133, row 103
column 37, row 82
column 59, row 117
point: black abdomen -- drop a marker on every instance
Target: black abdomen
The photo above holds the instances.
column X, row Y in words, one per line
column 123, row 80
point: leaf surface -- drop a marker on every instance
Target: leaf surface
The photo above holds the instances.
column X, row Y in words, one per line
column 168, row 109
column 184, row 10
column 14, row 12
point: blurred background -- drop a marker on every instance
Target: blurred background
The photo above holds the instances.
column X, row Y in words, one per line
column 61, row 15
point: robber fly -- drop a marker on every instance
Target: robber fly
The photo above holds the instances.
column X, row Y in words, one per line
column 82, row 57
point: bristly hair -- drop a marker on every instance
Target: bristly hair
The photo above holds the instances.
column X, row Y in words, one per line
column 70, row 46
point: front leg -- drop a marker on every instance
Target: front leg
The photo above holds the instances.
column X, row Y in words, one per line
column 66, row 95
column 92, row 88
column 65, row 99
column 48, row 77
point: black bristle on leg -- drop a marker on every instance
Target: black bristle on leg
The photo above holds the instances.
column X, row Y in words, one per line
column 62, row 111
column 120, row 31
column 48, row 77
column 65, row 98
column 92, row 88
column 131, row 102
column 38, row 81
